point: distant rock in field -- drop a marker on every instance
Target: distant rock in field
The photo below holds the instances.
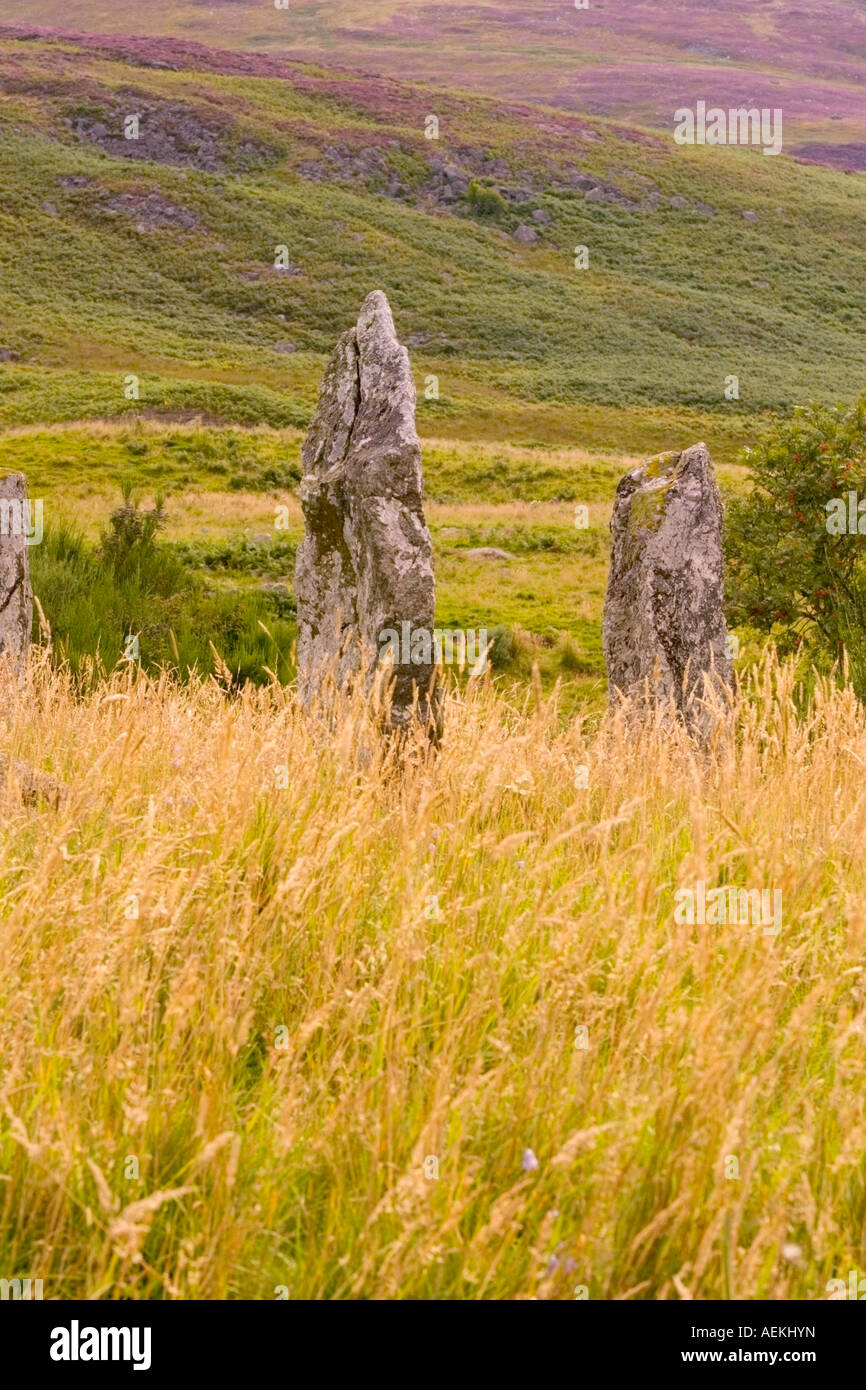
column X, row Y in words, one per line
column 678, row 201
column 526, row 235
column 284, row 347
column 487, row 552
column 750, row 216
column 364, row 569
column 594, row 195
column 664, row 623
column 16, row 597
column 542, row 216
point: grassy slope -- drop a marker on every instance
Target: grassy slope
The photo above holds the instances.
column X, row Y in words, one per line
column 523, row 344
column 152, row 265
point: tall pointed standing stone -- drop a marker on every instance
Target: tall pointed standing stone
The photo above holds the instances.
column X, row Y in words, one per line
column 365, row 566
column 16, row 596
column 664, row 621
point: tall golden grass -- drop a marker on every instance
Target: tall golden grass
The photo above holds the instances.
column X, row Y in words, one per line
column 261, row 1041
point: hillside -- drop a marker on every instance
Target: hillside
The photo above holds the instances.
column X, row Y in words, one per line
column 156, row 256
column 632, row 59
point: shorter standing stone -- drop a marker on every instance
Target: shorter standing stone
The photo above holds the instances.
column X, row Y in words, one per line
column 16, row 596
column 664, row 621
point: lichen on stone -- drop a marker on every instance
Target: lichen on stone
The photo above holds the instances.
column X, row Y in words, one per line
column 647, row 509
column 646, row 506
column 663, row 463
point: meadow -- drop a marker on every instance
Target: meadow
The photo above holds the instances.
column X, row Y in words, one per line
column 158, row 258
column 226, row 489
column 281, row 1022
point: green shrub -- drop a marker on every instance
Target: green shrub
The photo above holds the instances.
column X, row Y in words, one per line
column 485, row 201
column 787, row 572
column 131, row 586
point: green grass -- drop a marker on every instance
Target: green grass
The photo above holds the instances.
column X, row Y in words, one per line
column 674, row 301
column 177, row 622
column 550, row 380
column 224, row 487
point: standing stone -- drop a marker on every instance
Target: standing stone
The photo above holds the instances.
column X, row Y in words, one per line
column 664, row 622
column 364, row 572
column 16, row 596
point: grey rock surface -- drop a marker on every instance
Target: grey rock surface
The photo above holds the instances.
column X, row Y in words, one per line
column 487, row 552
column 365, row 565
column 664, row 623
column 16, row 596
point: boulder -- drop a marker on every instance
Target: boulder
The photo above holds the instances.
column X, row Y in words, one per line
column 664, row 622
column 365, row 566
column 487, row 552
